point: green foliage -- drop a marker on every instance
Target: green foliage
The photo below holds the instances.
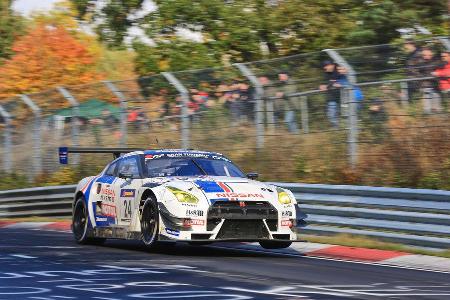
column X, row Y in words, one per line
column 13, row 181
column 235, row 31
column 379, row 20
column 11, row 26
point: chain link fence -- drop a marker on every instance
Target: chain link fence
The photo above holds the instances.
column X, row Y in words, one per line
column 372, row 123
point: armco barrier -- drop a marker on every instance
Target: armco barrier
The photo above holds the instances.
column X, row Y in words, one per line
column 409, row 216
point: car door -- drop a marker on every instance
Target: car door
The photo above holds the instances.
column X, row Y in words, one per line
column 129, row 180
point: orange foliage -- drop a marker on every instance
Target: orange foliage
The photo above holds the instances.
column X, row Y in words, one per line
column 44, row 58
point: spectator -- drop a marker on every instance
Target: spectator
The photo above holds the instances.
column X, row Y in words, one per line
column 109, row 121
column 245, row 101
column 343, row 81
column 269, row 94
column 430, row 99
column 443, row 73
column 287, row 106
column 333, row 93
column 412, row 66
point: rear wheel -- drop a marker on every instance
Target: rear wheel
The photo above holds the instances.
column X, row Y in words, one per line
column 150, row 223
column 80, row 224
column 274, row 245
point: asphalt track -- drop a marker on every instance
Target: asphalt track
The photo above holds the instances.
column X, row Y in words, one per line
column 38, row 265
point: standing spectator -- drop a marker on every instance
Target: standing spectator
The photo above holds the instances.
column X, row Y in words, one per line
column 430, row 99
column 443, row 73
column 343, row 81
column 288, row 104
column 269, row 94
column 333, row 93
column 412, row 65
column 244, row 99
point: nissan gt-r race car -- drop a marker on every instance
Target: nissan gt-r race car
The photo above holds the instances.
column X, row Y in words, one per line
column 180, row 195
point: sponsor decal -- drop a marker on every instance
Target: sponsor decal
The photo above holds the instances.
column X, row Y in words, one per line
column 194, row 213
column 239, row 195
column 172, row 232
column 193, row 222
column 108, row 210
column 286, row 223
column 107, row 194
column 127, row 193
column 286, row 214
column 170, row 154
column 99, row 219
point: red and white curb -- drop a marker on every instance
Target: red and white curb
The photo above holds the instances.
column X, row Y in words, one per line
column 325, row 251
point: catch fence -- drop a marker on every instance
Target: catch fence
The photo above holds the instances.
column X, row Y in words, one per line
column 375, row 124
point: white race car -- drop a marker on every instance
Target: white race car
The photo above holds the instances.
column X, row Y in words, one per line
column 180, row 195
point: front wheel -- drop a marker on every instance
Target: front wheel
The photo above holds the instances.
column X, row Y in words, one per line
column 150, row 223
column 274, row 245
column 80, row 225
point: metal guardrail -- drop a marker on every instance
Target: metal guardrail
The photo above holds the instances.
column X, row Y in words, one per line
column 410, row 216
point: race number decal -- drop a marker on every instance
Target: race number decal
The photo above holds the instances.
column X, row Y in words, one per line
column 127, row 209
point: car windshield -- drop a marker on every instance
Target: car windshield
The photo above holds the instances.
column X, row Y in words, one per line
column 191, row 167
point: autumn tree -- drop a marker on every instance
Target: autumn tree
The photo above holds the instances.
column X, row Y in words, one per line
column 46, row 57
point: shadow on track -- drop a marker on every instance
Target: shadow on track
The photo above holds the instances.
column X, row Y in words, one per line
column 184, row 249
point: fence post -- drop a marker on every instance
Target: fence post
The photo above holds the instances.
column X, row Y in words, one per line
column 123, row 111
column 445, row 41
column 7, row 141
column 37, row 137
column 304, row 113
column 185, row 123
column 404, row 95
column 352, row 139
column 74, row 122
column 259, row 95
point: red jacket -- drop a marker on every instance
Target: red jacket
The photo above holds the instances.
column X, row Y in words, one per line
column 444, row 83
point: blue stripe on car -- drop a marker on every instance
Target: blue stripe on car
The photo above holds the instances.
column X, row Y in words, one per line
column 209, row 186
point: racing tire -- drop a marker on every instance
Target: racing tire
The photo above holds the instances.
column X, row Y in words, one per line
column 80, row 225
column 150, row 223
column 274, row 245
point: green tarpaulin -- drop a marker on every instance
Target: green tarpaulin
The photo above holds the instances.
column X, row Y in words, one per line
column 91, row 109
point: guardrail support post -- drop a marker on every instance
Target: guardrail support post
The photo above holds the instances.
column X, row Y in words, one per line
column 259, row 95
column 123, row 111
column 304, row 113
column 7, row 141
column 74, row 122
column 185, row 122
column 37, row 138
column 352, row 138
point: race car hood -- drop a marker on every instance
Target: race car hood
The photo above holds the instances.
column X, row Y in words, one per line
column 217, row 188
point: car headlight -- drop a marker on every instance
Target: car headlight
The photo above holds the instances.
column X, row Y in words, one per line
column 183, row 196
column 283, row 196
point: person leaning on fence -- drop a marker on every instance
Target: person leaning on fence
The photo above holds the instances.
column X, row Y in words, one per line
column 443, row 74
column 333, row 93
column 431, row 99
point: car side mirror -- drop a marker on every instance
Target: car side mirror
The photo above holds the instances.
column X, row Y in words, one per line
column 252, row 176
column 125, row 175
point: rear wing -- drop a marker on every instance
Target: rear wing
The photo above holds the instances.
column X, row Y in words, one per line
column 116, row 152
